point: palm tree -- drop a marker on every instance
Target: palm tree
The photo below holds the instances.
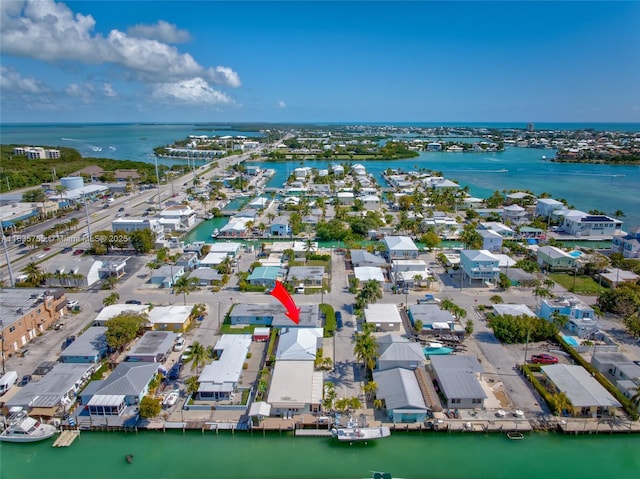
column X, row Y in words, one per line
column 370, row 389
column 329, row 396
column 35, row 276
column 184, row 286
column 199, row 356
column 111, row 299
column 561, row 402
column 366, row 349
column 635, row 399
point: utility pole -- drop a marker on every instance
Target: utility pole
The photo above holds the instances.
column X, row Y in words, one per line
column 3, row 239
column 158, row 180
column 86, row 213
column 526, row 347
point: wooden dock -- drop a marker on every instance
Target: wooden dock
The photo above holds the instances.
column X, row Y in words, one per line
column 66, row 438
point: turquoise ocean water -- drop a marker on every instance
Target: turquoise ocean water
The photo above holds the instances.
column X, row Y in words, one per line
column 603, row 187
column 411, row 456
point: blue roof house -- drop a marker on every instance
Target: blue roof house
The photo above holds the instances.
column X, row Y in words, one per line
column 479, row 265
column 265, row 276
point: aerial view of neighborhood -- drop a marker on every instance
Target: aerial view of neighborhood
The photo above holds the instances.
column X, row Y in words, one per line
column 339, row 303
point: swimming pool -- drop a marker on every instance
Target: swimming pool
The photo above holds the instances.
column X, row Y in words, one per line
column 575, row 253
column 570, row 341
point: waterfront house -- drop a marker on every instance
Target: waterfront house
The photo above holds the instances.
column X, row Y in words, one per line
column 122, row 390
column 90, row 347
column 587, row 397
column 619, row 369
column 529, row 232
column 345, row 198
column 399, row 247
column 259, row 203
column 166, row 275
column 514, row 214
column 555, row 259
column 280, row 226
column 26, row 313
column 54, row 393
column 272, row 314
column 479, row 265
column 384, row 316
column 581, row 319
column 183, row 213
column 628, row 245
column 402, row 395
column 299, row 248
column 500, row 228
column 358, row 170
column 235, row 228
column 458, row 381
column 220, row 378
column 396, row 351
column 299, row 344
column 311, row 276
column 266, row 276
column 227, row 247
column 176, row 318
column 296, row 388
column 491, row 240
column 578, row 223
column 338, row 170
column 152, row 347
column 546, row 207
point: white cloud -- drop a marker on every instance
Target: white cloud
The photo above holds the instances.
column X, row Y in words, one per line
column 49, row 31
column 107, row 89
column 162, row 31
column 82, row 91
column 191, row 92
column 11, row 81
column 281, row 104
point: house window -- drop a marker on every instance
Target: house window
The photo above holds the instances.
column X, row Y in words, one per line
column 12, row 329
column 455, row 401
column 476, row 401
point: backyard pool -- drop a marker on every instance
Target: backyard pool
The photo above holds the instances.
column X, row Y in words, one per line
column 575, row 253
column 570, row 340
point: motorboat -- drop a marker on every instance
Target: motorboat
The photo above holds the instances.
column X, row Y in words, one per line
column 515, row 435
column 354, row 433
column 23, row 428
column 171, row 399
column 215, row 233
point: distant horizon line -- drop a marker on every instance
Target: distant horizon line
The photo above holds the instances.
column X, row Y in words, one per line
column 312, row 122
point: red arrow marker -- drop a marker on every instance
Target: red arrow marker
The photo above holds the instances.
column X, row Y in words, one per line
column 281, row 294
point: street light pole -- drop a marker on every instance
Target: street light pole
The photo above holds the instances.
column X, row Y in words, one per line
column 3, row 238
column 158, row 180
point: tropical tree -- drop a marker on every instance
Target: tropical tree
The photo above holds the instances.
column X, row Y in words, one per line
column 185, row 286
column 418, row 325
column 200, row 354
column 123, row 328
column 561, row 402
column 370, row 389
column 149, row 407
column 366, row 348
column 35, row 276
column 329, row 396
column 192, row 384
column 111, row 299
column 635, row 399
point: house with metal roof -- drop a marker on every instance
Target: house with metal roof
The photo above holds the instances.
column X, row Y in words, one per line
column 166, row 275
column 555, row 259
column 89, row 347
column 620, row 370
column 309, row 275
column 433, row 318
column 396, row 351
column 491, row 240
column 219, row 379
column 206, row 276
column 362, row 258
column 369, row 273
column 402, row 395
column 479, row 265
column 152, row 347
column 55, row 392
column 384, row 316
column 266, row 276
column 513, row 310
column 587, row 396
column 296, row 387
column 280, row 226
column 125, row 386
column 273, row 314
column 399, row 247
column 176, row 317
column 109, row 312
column 299, row 344
column 458, row 379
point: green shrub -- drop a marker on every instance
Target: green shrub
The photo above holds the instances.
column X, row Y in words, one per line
column 150, row 407
column 329, row 319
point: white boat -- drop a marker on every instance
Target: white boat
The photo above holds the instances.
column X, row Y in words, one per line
column 354, row 433
column 23, row 428
column 171, row 399
column 215, row 233
column 435, row 345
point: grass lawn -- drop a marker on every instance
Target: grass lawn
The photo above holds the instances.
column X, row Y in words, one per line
column 230, row 329
column 583, row 284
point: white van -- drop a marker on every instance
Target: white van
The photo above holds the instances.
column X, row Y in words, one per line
column 300, row 289
column 8, row 380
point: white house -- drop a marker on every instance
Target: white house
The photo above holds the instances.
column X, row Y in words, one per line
column 135, row 224
column 183, row 213
column 546, row 207
column 491, row 240
column 370, row 202
column 296, row 388
column 400, row 247
column 480, row 265
column 578, row 223
column 280, row 226
column 384, row 316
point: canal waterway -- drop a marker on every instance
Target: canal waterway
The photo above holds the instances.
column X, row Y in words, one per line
column 194, row 455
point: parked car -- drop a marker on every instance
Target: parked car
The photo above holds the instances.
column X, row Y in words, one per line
column 121, row 209
column 67, row 249
column 544, row 358
column 339, row 321
column 72, row 304
column 132, row 301
column 78, row 252
column 26, row 379
column 179, row 344
column 174, row 372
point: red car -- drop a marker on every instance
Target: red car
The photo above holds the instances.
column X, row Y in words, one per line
column 543, row 359
column 78, row 252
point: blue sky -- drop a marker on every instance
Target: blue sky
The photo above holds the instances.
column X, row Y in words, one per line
column 181, row 61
